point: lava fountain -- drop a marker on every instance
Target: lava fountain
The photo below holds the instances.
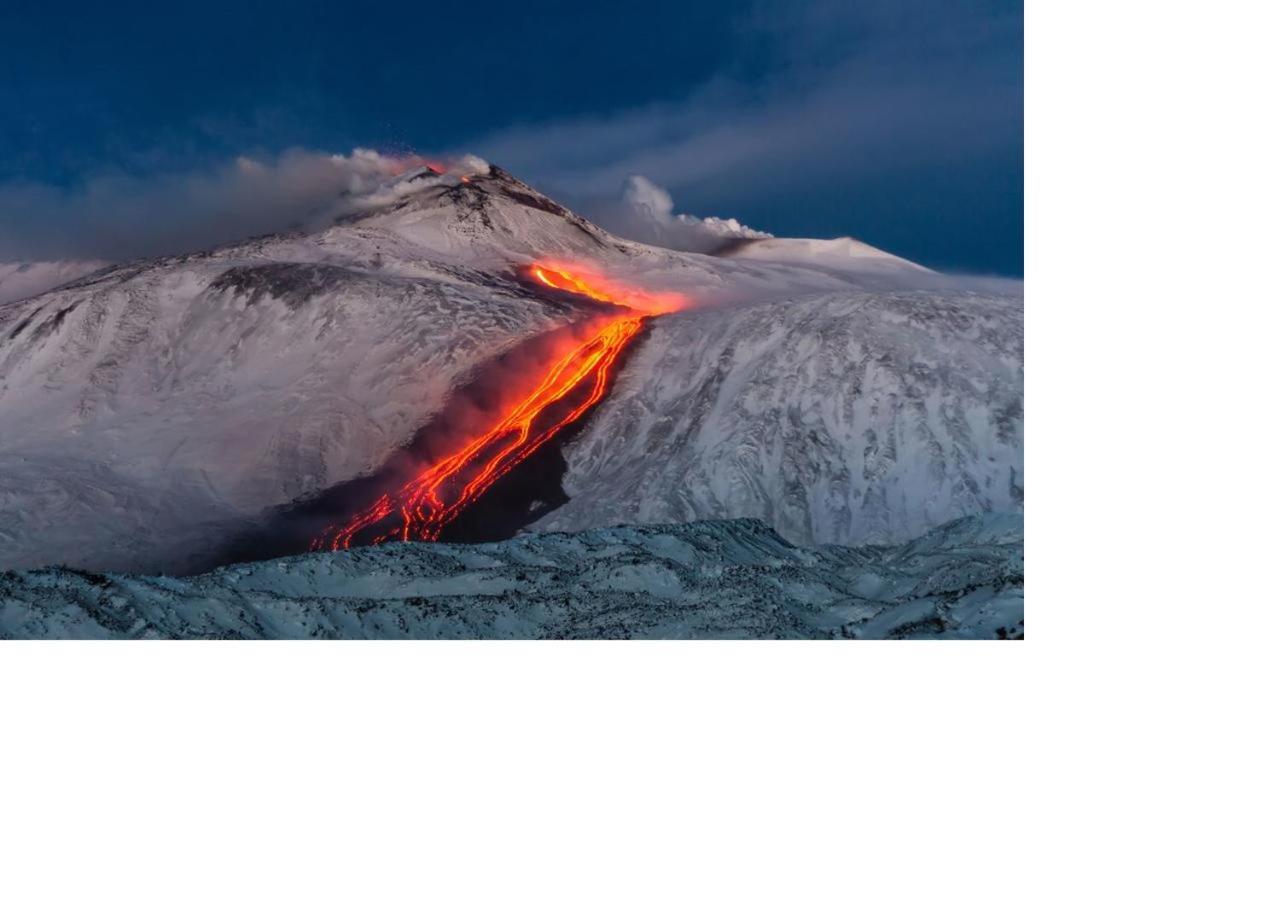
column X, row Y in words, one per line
column 422, row 507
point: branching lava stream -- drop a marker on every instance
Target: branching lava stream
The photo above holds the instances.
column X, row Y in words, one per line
column 421, row 508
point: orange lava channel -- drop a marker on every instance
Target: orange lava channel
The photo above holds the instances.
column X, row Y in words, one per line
column 420, row 509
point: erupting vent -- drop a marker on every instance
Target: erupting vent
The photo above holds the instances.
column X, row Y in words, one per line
column 420, row 509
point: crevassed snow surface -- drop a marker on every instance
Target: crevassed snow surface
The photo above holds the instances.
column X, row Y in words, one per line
column 727, row 579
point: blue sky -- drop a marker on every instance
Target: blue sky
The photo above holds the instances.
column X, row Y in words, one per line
column 897, row 122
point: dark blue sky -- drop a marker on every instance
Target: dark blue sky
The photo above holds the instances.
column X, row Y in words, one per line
column 896, row 122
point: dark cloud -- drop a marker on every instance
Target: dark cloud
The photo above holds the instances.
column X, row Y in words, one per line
column 853, row 96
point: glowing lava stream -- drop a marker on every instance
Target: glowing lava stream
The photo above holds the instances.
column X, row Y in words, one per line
column 421, row 508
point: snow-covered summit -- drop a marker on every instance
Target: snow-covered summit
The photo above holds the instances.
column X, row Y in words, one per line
column 482, row 217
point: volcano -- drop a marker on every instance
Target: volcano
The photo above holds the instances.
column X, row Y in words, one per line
column 154, row 412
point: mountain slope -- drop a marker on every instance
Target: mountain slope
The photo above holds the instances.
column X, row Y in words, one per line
column 836, row 418
column 227, row 390
column 149, row 412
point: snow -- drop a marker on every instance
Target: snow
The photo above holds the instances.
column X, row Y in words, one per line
column 723, row 579
column 841, row 254
column 836, row 418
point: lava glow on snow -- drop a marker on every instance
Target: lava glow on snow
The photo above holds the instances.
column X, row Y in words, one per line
column 421, row 508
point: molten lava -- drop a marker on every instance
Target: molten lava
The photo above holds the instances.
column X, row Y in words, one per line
column 581, row 279
column 421, row 508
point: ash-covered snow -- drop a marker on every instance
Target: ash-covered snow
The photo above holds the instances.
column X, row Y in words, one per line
column 726, row 579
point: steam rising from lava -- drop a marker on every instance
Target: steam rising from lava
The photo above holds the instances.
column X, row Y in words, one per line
column 422, row 507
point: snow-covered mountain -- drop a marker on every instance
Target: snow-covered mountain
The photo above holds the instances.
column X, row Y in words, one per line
column 151, row 410
column 734, row 579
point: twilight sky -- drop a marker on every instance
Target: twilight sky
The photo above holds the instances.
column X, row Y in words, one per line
column 895, row 121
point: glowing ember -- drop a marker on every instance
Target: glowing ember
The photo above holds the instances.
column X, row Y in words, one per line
column 422, row 508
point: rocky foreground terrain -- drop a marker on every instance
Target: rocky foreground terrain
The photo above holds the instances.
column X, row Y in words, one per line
column 713, row 579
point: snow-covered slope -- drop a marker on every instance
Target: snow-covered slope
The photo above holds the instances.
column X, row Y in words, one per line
column 861, row 415
column 734, row 579
column 26, row 279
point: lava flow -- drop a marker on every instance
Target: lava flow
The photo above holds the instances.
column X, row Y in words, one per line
column 581, row 279
column 421, row 508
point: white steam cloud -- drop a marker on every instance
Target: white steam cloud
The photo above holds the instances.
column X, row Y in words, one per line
column 646, row 213
column 124, row 217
